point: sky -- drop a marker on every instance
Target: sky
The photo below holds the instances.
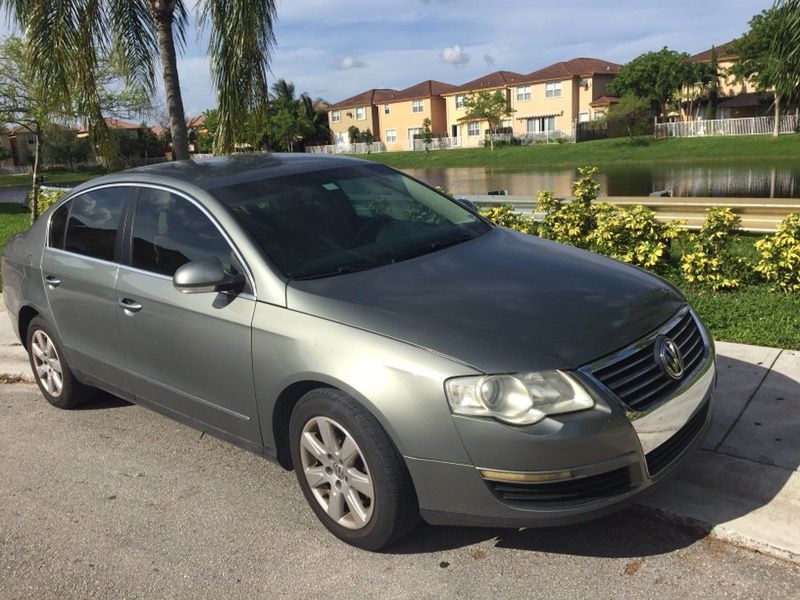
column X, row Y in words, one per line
column 334, row 49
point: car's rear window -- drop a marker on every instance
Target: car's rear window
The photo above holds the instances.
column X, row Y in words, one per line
column 340, row 220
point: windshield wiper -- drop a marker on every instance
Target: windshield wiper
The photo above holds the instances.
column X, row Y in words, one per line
column 433, row 247
column 337, row 271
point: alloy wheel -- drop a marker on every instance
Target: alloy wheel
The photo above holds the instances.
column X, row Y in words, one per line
column 337, row 472
column 47, row 363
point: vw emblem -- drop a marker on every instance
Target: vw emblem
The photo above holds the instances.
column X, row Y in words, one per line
column 669, row 355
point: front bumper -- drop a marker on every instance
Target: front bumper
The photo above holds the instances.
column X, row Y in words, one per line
column 600, row 460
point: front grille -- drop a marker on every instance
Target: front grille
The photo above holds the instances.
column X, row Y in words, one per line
column 639, row 380
column 670, row 450
column 582, row 489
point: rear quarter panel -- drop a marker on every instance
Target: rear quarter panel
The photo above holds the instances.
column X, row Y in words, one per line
column 22, row 277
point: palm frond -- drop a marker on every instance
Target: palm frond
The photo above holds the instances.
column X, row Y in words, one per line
column 240, row 47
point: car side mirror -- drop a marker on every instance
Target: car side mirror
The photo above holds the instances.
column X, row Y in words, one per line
column 206, row 275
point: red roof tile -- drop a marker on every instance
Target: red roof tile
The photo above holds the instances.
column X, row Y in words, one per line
column 425, row 89
column 604, row 101
column 577, row 67
column 723, row 52
column 492, row 81
column 370, row 97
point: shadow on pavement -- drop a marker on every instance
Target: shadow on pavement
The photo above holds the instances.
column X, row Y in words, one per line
column 104, row 400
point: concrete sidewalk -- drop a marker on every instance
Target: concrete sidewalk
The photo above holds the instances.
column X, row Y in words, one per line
column 743, row 486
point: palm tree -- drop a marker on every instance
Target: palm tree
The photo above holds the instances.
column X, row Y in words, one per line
column 66, row 37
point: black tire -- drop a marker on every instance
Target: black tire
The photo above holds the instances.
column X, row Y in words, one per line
column 395, row 511
column 73, row 393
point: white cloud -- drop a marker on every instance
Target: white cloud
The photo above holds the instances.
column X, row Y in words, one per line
column 455, row 56
column 348, row 62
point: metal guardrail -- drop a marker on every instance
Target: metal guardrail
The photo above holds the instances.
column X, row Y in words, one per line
column 759, row 215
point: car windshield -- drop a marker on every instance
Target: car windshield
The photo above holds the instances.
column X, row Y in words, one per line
column 335, row 221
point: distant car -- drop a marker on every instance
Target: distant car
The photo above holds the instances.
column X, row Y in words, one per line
column 403, row 355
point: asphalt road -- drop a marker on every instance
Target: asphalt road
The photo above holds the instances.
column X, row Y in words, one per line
column 114, row 501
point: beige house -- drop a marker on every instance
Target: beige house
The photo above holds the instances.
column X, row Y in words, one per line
column 737, row 99
column 472, row 133
column 359, row 111
column 402, row 114
column 554, row 98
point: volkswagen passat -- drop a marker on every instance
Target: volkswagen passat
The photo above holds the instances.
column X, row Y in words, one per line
column 404, row 356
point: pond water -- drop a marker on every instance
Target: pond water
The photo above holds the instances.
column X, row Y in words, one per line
column 762, row 181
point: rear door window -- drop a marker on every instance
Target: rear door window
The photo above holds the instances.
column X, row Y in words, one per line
column 93, row 223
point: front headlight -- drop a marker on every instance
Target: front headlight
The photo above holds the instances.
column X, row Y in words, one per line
column 519, row 399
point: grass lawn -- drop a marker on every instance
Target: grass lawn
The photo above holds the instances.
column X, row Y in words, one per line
column 704, row 151
column 51, row 177
column 750, row 315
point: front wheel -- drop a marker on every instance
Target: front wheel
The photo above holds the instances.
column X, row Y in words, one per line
column 349, row 471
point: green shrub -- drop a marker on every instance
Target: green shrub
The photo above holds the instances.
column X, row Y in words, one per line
column 632, row 234
column 571, row 222
column 710, row 261
column 47, row 197
column 780, row 256
column 505, row 216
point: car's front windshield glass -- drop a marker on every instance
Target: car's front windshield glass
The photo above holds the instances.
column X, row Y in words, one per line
column 335, row 221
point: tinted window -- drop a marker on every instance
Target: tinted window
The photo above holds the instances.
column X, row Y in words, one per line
column 58, row 226
column 334, row 221
column 93, row 221
column 169, row 231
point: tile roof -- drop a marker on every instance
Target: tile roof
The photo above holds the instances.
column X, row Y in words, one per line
column 491, row 81
column 425, row 89
column 115, row 123
column 373, row 96
column 577, row 67
column 723, row 51
column 196, row 121
column 604, row 101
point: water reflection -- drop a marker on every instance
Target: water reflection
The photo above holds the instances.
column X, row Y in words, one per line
column 719, row 181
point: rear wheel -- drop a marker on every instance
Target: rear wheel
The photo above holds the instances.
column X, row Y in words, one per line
column 349, row 471
column 54, row 377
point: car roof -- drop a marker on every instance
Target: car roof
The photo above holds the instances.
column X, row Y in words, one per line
column 220, row 171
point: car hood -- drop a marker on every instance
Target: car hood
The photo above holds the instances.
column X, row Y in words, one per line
column 502, row 302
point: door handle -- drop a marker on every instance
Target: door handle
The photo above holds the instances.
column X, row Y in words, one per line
column 52, row 281
column 130, row 305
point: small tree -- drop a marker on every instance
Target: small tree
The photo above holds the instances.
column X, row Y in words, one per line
column 368, row 139
column 713, row 85
column 632, row 115
column 489, row 107
column 427, row 134
column 353, row 134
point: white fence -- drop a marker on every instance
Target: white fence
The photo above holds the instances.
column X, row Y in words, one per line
column 744, row 126
column 361, row 148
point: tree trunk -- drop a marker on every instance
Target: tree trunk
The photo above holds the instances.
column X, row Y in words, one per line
column 35, row 188
column 777, row 129
column 163, row 13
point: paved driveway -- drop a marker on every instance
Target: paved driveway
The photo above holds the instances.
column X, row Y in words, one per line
column 114, row 501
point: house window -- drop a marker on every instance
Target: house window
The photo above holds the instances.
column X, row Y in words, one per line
column 523, row 93
column 31, row 139
column 391, row 136
column 417, row 106
column 473, row 129
column 336, row 116
column 583, row 117
column 361, row 113
column 460, row 101
column 505, row 123
column 386, row 109
column 413, row 132
column 552, row 89
column 541, row 125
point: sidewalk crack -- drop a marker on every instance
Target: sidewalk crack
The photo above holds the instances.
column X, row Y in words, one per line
column 749, row 400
